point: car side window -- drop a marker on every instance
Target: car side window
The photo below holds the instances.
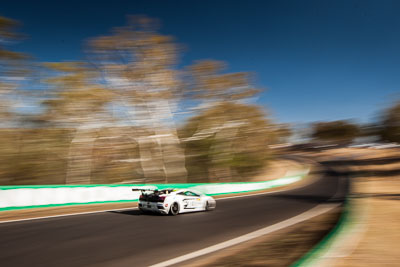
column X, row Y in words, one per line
column 189, row 193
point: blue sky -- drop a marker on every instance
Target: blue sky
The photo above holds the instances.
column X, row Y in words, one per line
column 319, row 60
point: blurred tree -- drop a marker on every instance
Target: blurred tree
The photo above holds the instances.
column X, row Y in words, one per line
column 282, row 132
column 226, row 141
column 390, row 124
column 208, row 84
column 134, row 71
column 138, row 64
column 33, row 155
column 13, row 71
column 228, row 138
column 12, row 66
column 77, row 98
column 77, row 101
column 342, row 132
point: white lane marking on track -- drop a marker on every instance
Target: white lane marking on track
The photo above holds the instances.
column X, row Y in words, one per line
column 318, row 210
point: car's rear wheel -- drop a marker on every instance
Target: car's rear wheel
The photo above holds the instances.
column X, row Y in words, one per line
column 207, row 206
column 174, row 210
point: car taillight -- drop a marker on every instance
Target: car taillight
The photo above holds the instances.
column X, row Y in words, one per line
column 141, row 197
column 161, row 199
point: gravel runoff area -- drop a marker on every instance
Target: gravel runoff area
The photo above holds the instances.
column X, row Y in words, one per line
column 276, row 169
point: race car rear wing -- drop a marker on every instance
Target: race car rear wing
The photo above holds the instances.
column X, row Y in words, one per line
column 144, row 189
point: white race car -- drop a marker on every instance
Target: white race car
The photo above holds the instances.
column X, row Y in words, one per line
column 174, row 201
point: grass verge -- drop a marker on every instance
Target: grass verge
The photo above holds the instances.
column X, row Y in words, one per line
column 281, row 248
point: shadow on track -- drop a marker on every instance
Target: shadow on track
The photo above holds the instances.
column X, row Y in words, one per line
column 135, row 212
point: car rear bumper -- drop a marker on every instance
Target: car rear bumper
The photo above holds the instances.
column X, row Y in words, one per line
column 156, row 207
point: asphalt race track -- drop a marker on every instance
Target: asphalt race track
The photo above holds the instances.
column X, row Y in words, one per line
column 127, row 238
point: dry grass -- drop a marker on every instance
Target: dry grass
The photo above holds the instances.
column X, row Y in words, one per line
column 278, row 168
column 380, row 239
column 375, row 192
column 281, row 248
